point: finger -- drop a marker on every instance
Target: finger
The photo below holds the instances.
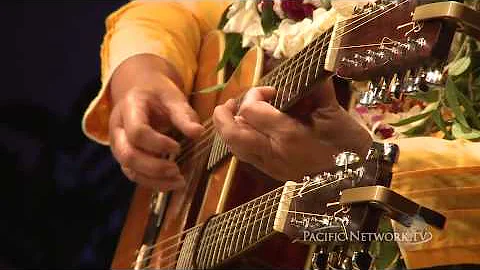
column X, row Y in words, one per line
column 223, row 116
column 325, row 94
column 264, row 117
column 136, row 122
column 180, row 113
column 244, row 142
column 160, row 184
column 139, row 161
column 262, row 93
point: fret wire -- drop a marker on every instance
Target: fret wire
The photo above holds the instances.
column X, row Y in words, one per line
column 308, row 55
column 270, row 214
column 290, row 81
column 253, row 224
column 228, row 241
column 200, row 253
column 245, row 228
column 278, row 86
column 304, row 53
column 208, row 248
column 243, row 210
column 248, row 222
column 289, row 69
column 237, row 235
column 234, row 229
column 216, row 238
column 320, row 57
column 261, row 219
column 255, row 218
column 310, row 65
column 284, row 87
column 223, row 241
column 302, row 71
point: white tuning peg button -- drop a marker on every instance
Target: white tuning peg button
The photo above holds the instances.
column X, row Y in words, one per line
column 346, row 158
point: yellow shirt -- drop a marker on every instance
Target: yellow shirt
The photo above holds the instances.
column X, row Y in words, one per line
column 439, row 174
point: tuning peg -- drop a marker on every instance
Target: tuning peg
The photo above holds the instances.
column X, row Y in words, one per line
column 367, row 99
column 320, row 259
column 434, row 76
column 382, row 94
column 346, row 158
column 395, row 87
column 362, row 260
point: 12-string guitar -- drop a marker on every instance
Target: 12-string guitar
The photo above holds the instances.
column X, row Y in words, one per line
column 185, row 228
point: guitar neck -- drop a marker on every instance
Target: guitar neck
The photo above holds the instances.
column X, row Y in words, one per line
column 292, row 80
column 229, row 234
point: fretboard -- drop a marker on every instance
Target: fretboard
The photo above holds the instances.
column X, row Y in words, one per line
column 292, row 79
column 231, row 233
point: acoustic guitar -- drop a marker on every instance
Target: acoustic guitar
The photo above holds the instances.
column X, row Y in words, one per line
column 231, row 214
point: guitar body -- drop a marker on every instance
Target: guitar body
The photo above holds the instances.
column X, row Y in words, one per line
column 228, row 185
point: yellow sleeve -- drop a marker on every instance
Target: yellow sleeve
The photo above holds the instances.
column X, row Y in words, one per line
column 169, row 29
column 444, row 176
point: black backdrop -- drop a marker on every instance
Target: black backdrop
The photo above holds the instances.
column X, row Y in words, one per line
column 63, row 197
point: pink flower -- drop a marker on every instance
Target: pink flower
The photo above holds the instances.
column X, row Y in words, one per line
column 296, row 10
column 385, row 131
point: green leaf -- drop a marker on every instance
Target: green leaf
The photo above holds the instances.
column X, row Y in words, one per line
column 452, row 99
column 437, row 118
column 469, row 110
column 459, row 131
column 269, row 18
column 411, row 119
column 224, row 19
column 459, row 66
column 417, row 130
column 218, row 87
column 431, row 95
column 233, row 49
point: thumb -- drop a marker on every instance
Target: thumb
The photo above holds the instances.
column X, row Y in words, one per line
column 325, row 95
column 184, row 118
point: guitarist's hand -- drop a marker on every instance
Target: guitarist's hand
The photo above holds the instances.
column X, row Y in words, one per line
column 283, row 147
column 147, row 101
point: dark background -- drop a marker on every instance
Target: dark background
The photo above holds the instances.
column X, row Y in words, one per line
column 63, row 197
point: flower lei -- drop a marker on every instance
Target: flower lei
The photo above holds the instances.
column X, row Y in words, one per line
column 282, row 28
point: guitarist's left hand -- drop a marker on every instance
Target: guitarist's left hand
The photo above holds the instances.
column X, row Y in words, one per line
column 282, row 146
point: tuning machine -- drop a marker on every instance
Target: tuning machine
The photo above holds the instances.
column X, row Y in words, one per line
column 377, row 93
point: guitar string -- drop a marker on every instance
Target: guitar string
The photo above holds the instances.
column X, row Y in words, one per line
column 296, row 61
column 322, row 185
column 404, row 1
column 208, row 136
column 350, row 31
column 245, row 227
column 351, row 23
column 234, row 209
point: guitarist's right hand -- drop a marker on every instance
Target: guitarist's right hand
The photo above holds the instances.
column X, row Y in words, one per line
column 147, row 101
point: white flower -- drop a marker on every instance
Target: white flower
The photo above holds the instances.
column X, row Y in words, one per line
column 270, row 43
column 316, row 3
column 252, row 34
column 244, row 18
column 294, row 36
column 277, row 7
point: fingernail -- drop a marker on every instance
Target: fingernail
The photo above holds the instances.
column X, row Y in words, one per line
column 171, row 172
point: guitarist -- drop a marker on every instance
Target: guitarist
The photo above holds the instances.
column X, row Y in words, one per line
column 148, row 67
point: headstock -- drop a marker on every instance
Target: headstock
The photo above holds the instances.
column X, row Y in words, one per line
column 336, row 210
column 381, row 42
column 313, row 205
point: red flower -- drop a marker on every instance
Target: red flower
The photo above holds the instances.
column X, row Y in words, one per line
column 296, row 10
